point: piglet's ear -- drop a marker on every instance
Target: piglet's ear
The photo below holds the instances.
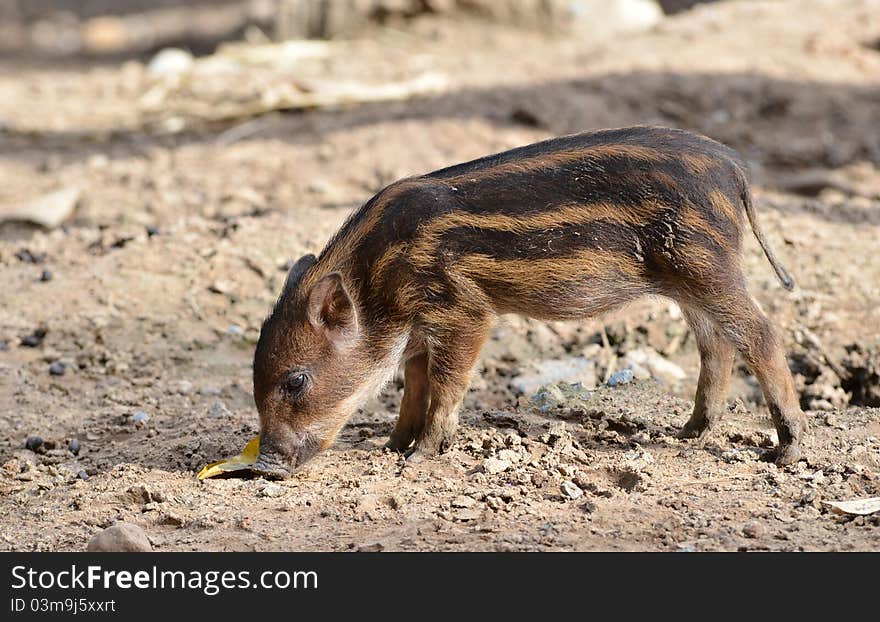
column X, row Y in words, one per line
column 296, row 272
column 331, row 310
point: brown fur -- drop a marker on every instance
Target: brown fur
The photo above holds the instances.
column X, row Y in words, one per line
column 565, row 229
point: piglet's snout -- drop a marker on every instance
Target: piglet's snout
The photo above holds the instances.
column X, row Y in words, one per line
column 279, row 457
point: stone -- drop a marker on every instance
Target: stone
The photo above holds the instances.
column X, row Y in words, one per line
column 467, row 514
column 575, row 369
column 121, row 537
column 73, row 446
column 271, row 491
column 754, row 529
column 57, row 368
column 463, row 501
column 218, row 410
column 571, row 490
column 170, row 62
column 33, row 442
column 493, row 466
column 659, row 367
column 140, row 417
column 624, row 376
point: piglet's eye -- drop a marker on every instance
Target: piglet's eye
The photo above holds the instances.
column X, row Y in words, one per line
column 294, row 384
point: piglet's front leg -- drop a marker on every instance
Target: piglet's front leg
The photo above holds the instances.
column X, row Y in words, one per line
column 414, row 406
column 453, row 350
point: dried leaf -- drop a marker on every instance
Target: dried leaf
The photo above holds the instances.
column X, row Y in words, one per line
column 241, row 462
column 858, row 507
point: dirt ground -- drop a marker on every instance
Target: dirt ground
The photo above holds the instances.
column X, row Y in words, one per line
column 176, row 252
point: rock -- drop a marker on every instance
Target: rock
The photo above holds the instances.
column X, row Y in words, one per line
column 639, row 372
column 45, row 276
column 271, row 490
column 170, row 62
column 211, row 391
column 642, row 438
column 140, row 417
column 48, row 211
column 35, row 339
column 623, row 376
column 121, row 537
column 754, row 529
column 33, row 442
column 607, row 17
column 220, row 287
column 576, row 369
column 184, row 387
column 493, row 466
column 659, row 367
column 467, row 514
column 26, row 256
column 509, row 455
column 57, row 368
column 73, row 446
column 218, row 410
column 571, row 490
column 463, row 501
column 82, row 475
column 372, row 547
column 235, row 331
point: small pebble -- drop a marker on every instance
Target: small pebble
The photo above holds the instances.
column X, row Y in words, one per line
column 184, row 387
column 152, row 230
column 235, row 331
column 623, row 376
column 463, row 502
column 271, row 490
column 494, row 466
column 73, row 446
column 82, row 475
column 33, row 442
column 57, row 368
column 35, row 339
column 218, row 410
column 571, row 490
column 26, row 256
column 140, row 417
column 754, row 530
column 46, row 275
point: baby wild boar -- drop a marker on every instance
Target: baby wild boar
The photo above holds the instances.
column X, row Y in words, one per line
column 564, row 229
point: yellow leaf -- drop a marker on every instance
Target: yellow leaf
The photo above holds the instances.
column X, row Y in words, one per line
column 242, row 461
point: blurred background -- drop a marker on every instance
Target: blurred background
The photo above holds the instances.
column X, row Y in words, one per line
column 162, row 162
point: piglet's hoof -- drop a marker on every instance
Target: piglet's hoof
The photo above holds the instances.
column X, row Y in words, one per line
column 397, row 446
column 699, row 431
column 785, row 454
